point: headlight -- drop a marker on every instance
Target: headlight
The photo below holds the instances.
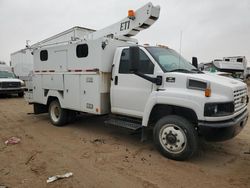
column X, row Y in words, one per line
column 218, row 109
column 22, row 84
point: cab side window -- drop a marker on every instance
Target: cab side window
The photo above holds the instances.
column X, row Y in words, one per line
column 82, row 50
column 145, row 64
column 43, row 55
column 124, row 62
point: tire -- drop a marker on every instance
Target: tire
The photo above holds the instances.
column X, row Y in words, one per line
column 58, row 116
column 20, row 94
column 175, row 138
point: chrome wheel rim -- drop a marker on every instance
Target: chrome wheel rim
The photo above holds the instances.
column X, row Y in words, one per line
column 172, row 138
column 55, row 112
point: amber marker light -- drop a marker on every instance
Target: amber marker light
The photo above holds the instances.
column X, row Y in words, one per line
column 131, row 14
column 207, row 92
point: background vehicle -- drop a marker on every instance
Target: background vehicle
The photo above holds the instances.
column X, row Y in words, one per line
column 236, row 66
column 138, row 87
column 225, row 74
column 9, row 84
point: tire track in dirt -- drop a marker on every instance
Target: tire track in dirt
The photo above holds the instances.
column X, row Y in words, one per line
column 102, row 156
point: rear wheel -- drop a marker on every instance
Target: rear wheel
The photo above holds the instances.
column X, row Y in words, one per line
column 58, row 115
column 175, row 137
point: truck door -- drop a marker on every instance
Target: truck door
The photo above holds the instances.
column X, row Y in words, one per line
column 129, row 92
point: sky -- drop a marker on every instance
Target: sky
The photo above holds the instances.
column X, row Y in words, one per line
column 207, row 29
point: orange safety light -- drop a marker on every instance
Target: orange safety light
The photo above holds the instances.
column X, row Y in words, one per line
column 131, row 14
column 207, row 92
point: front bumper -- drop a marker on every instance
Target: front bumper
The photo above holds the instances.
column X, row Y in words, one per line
column 11, row 90
column 222, row 130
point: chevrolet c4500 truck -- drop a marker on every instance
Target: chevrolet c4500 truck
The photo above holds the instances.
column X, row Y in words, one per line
column 138, row 87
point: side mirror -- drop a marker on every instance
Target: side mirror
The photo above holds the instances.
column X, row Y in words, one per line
column 158, row 80
column 195, row 62
column 134, row 58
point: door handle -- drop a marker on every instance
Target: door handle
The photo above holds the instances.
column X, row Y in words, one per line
column 116, row 80
column 112, row 72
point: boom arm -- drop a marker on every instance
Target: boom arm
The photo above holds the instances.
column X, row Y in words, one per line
column 144, row 18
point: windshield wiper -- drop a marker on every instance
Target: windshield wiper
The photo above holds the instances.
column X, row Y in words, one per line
column 181, row 70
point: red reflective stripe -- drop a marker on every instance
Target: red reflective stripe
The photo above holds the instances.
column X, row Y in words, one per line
column 78, row 70
column 46, row 71
column 92, row 70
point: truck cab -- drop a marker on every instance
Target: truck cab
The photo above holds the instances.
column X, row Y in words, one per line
column 216, row 106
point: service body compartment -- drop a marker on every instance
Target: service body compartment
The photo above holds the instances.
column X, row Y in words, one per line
column 93, row 99
column 38, row 91
column 53, row 81
column 72, row 91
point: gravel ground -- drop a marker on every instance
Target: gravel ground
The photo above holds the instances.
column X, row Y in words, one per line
column 103, row 156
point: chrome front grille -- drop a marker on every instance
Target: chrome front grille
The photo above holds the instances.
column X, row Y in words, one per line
column 240, row 99
column 11, row 84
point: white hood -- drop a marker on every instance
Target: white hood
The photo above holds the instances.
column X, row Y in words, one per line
column 10, row 80
column 221, row 80
column 222, row 87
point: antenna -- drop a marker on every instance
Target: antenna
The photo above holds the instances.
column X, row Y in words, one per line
column 180, row 47
column 180, row 41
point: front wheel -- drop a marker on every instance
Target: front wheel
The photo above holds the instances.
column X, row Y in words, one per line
column 175, row 137
column 58, row 115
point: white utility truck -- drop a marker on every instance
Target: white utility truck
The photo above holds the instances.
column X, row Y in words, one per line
column 22, row 60
column 138, row 87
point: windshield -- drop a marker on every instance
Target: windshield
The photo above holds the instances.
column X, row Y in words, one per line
column 170, row 60
column 5, row 74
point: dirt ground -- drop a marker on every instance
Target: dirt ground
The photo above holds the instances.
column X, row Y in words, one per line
column 104, row 156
